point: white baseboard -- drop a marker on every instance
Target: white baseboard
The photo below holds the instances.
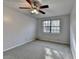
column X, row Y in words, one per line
column 17, row 45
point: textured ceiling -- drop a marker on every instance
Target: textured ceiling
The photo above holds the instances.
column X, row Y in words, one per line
column 56, row 7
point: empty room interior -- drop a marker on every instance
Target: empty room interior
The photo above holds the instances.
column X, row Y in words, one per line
column 39, row 29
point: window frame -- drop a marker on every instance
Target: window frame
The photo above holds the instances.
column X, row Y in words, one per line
column 51, row 26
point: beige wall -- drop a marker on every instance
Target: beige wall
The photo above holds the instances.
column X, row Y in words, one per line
column 63, row 37
column 17, row 28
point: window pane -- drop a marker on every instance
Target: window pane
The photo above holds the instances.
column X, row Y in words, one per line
column 46, row 23
column 55, row 23
column 54, row 26
column 46, row 29
column 55, row 29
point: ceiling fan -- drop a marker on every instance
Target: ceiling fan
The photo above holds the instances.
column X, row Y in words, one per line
column 36, row 6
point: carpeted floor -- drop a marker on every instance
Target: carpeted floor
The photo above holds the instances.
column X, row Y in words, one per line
column 39, row 50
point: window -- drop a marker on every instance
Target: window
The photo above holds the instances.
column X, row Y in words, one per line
column 51, row 26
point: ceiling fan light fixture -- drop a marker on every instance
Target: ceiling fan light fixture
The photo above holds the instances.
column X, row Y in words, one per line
column 34, row 11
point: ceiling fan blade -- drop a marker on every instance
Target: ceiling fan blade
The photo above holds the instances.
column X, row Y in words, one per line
column 44, row 6
column 29, row 1
column 41, row 11
column 24, row 8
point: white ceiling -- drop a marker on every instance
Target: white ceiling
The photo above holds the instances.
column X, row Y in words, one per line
column 56, row 7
